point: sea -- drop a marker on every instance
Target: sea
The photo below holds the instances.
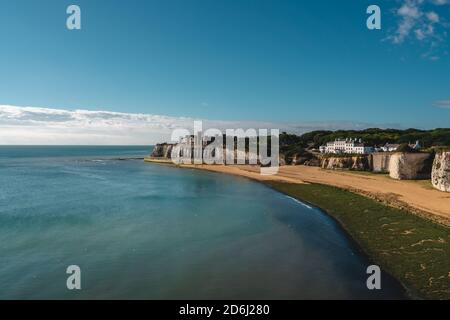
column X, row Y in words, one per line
column 149, row 231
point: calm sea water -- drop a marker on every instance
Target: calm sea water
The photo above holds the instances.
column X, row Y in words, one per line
column 144, row 231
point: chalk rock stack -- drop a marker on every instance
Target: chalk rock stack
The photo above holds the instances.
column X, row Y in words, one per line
column 162, row 150
column 410, row 166
column 440, row 175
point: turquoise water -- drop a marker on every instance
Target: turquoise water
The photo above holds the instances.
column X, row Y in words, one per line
column 146, row 231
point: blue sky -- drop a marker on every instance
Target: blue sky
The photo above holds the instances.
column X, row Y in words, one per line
column 246, row 60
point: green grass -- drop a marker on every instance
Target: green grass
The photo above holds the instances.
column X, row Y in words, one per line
column 425, row 184
column 439, row 149
column 414, row 250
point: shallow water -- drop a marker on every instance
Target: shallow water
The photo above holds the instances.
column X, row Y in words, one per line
column 146, row 231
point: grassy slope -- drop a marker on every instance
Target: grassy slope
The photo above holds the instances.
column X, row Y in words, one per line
column 414, row 250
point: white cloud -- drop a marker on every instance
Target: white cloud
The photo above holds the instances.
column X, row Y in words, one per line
column 417, row 21
column 47, row 126
column 31, row 125
column 409, row 14
column 440, row 2
column 433, row 16
column 443, row 104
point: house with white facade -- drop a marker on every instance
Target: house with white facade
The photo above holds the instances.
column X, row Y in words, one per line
column 391, row 147
column 346, row 146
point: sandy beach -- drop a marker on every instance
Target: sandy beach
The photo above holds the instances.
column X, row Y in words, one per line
column 416, row 196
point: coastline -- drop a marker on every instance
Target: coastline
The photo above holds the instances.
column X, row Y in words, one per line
column 412, row 249
column 374, row 242
column 410, row 293
column 411, row 196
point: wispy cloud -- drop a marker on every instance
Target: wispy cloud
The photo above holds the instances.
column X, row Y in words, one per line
column 420, row 21
column 440, row 2
column 443, row 104
column 31, row 125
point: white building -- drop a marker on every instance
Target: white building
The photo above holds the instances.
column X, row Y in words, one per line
column 389, row 147
column 346, row 146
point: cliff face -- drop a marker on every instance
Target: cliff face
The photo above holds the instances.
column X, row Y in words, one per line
column 162, row 150
column 359, row 163
column 381, row 162
column 410, row 166
column 313, row 162
column 305, row 159
column 440, row 175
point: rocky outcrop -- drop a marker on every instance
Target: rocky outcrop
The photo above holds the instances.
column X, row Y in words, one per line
column 282, row 160
column 359, row 163
column 302, row 158
column 162, row 150
column 440, row 175
column 380, row 162
column 410, row 166
column 313, row 162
